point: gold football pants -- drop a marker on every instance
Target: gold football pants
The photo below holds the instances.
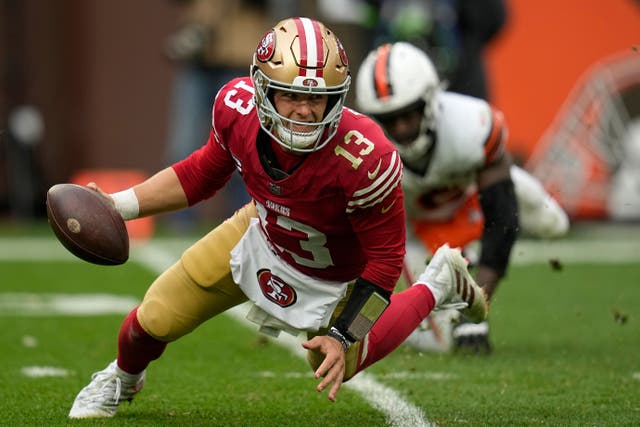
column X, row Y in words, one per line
column 199, row 286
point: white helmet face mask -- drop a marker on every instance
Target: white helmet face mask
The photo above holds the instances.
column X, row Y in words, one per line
column 300, row 55
column 394, row 79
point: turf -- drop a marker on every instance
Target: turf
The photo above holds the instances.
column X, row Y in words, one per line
column 566, row 354
column 565, row 343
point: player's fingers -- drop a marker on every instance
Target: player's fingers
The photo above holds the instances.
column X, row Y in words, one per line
column 337, row 383
column 329, row 378
column 334, row 376
column 92, row 185
column 312, row 344
column 325, row 367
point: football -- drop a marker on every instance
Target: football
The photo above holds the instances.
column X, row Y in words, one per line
column 87, row 224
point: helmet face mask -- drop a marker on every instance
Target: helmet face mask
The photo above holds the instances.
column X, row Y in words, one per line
column 397, row 80
column 302, row 56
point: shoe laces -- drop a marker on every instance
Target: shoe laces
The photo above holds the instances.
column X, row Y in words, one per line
column 110, row 387
column 117, row 391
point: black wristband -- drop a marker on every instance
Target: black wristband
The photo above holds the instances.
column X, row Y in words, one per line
column 335, row 333
column 366, row 303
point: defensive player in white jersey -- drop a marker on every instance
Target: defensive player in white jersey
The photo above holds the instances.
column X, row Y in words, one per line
column 458, row 177
column 319, row 249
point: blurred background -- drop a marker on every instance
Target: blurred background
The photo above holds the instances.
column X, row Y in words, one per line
column 114, row 91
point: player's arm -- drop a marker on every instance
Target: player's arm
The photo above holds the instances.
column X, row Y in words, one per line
column 499, row 207
column 183, row 184
column 160, row 193
column 366, row 304
column 380, row 225
column 382, row 232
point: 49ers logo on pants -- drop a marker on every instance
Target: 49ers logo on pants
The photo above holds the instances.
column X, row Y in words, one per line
column 275, row 289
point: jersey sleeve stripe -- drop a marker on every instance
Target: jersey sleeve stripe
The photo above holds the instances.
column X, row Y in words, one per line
column 380, row 189
column 383, row 177
column 494, row 144
column 377, row 197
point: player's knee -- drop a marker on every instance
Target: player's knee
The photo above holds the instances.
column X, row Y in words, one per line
column 159, row 322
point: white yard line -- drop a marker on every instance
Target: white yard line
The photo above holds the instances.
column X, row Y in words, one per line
column 595, row 250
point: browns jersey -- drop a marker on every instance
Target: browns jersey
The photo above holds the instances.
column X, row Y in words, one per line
column 469, row 136
column 338, row 214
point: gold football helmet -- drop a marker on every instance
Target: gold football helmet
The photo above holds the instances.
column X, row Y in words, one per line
column 300, row 55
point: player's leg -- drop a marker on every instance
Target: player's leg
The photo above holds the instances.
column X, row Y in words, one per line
column 196, row 288
column 444, row 283
column 539, row 213
column 433, row 334
column 463, row 226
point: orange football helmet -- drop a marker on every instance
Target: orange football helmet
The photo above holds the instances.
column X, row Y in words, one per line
column 300, row 55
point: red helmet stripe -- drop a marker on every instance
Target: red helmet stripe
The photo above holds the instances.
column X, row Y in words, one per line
column 381, row 71
column 311, row 47
column 319, row 48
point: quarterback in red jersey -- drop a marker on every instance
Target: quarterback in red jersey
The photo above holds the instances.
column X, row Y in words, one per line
column 320, row 247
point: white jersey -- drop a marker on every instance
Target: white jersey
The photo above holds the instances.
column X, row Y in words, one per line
column 469, row 135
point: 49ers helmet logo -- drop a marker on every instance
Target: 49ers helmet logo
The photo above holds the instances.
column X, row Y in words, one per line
column 275, row 289
column 266, row 47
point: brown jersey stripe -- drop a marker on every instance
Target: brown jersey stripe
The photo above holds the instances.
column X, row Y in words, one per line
column 381, row 72
column 494, row 145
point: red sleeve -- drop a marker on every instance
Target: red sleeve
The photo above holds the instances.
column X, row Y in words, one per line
column 381, row 231
column 205, row 171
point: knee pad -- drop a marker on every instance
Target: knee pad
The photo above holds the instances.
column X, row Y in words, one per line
column 162, row 311
column 153, row 318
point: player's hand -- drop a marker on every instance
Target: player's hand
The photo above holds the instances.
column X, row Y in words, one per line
column 333, row 365
column 92, row 185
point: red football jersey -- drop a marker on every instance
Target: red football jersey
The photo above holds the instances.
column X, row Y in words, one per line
column 337, row 216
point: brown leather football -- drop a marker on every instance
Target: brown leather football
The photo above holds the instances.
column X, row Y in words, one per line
column 87, row 224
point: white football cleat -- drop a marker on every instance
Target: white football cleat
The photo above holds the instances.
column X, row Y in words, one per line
column 109, row 387
column 452, row 286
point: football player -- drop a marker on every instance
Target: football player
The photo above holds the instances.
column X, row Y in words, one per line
column 320, row 247
column 458, row 178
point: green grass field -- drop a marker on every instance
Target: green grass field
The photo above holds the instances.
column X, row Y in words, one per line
column 566, row 349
